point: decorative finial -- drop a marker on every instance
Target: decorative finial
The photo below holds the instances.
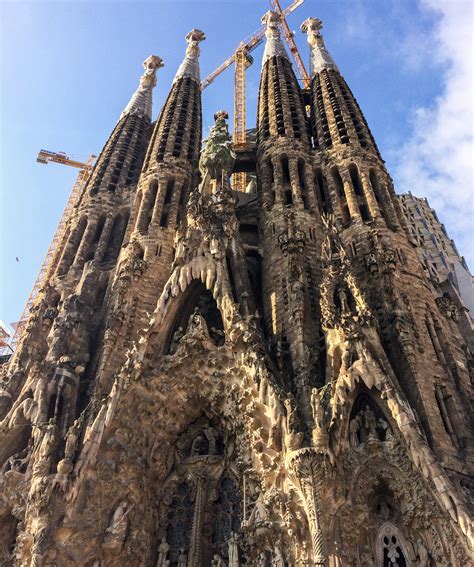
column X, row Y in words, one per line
column 320, row 58
column 141, row 101
column 274, row 46
column 190, row 65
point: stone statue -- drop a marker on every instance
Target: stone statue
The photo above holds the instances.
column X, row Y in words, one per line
column 178, row 335
column 318, row 409
column 197, row 324
column 117, row 530
column 354, row 427
column 198, row 446
column 72, row 438
column 163, row 550
column 182, row 559
column 343, row 298
column 385, row 427
column 423, row 557
column 233, row 550
column 369, row 422
column 292, row 421
column 277, row 559
column 212, row 437
column 48, row 443
column 262, row 560
column 259, row 514
column 366, row 559
column 217, row 561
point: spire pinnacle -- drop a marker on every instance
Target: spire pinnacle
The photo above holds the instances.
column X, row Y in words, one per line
column 141, row 101
column 190, row 65
column 319, row 58
column 274, row 45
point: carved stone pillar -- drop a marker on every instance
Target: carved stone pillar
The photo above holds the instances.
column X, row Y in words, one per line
column 369, row 195
column 104, row 239
column 295, row 183
column 350, row 195
column 195, row 550
column 278, row 181
column 303, row 468
column 84, row 244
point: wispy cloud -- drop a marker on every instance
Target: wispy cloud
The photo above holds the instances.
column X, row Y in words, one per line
column 437, row 161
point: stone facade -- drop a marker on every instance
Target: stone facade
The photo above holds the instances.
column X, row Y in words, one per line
column 220, row 378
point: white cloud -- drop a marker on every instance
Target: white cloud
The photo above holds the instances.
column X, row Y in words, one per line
column 437, row 161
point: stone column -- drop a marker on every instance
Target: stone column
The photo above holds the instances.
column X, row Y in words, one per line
column 369, row 195
column 351, row 197
column 195, row 551
column 303, row 467
column 144, row 205
column 278, row 180
column 104, row 239
column 85, row 243
column 310, row 187
column 295, row 183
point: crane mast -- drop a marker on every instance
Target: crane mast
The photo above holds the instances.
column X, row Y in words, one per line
column 242, row 59
column 83, row 175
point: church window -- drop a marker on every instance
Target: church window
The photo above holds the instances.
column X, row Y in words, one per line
column 226, row 514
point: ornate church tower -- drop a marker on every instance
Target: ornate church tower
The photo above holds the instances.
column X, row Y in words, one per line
column 212, row 378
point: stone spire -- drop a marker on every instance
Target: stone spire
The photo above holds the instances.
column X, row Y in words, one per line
column 274, row 46
column 320, row 58
column 190, row 65
column 141, row 101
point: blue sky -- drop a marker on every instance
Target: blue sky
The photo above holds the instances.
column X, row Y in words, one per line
column 68, row 69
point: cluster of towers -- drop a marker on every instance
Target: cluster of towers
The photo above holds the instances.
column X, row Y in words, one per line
column 212, row 377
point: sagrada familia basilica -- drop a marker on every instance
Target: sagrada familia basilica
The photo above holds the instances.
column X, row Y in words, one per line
column 220, row 378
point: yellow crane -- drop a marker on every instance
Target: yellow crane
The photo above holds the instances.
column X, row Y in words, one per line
column 85, row 170
column 242, row 59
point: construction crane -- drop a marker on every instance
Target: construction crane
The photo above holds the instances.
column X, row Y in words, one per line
column 242, row 59
column 85, row 170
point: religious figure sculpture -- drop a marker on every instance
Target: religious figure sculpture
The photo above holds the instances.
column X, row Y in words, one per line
column 117, row 530
column 277, row 559
column 163, row 550
column 423, row 557
column 354, row 427
column 233, row 550
column 182, row 559
column 217, row 561
column 318, row 409
column 72, row 438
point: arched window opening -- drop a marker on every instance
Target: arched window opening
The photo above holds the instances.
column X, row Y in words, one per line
column 322, row 191
column 392, row 548
column 197, row 296
column 169, row 192
column 95, row 240
column 356, row 181
column 358, row 190
column 179, row 520
column 231, row 277
column 367, row 423
column 55, row 408
column 304, row 189
column 70, row 251
column 285, row 170
column 346, row 217
column 254, row 271
column 151, row 204
column 288, row 197
column 117, row 234
column 226, row 516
